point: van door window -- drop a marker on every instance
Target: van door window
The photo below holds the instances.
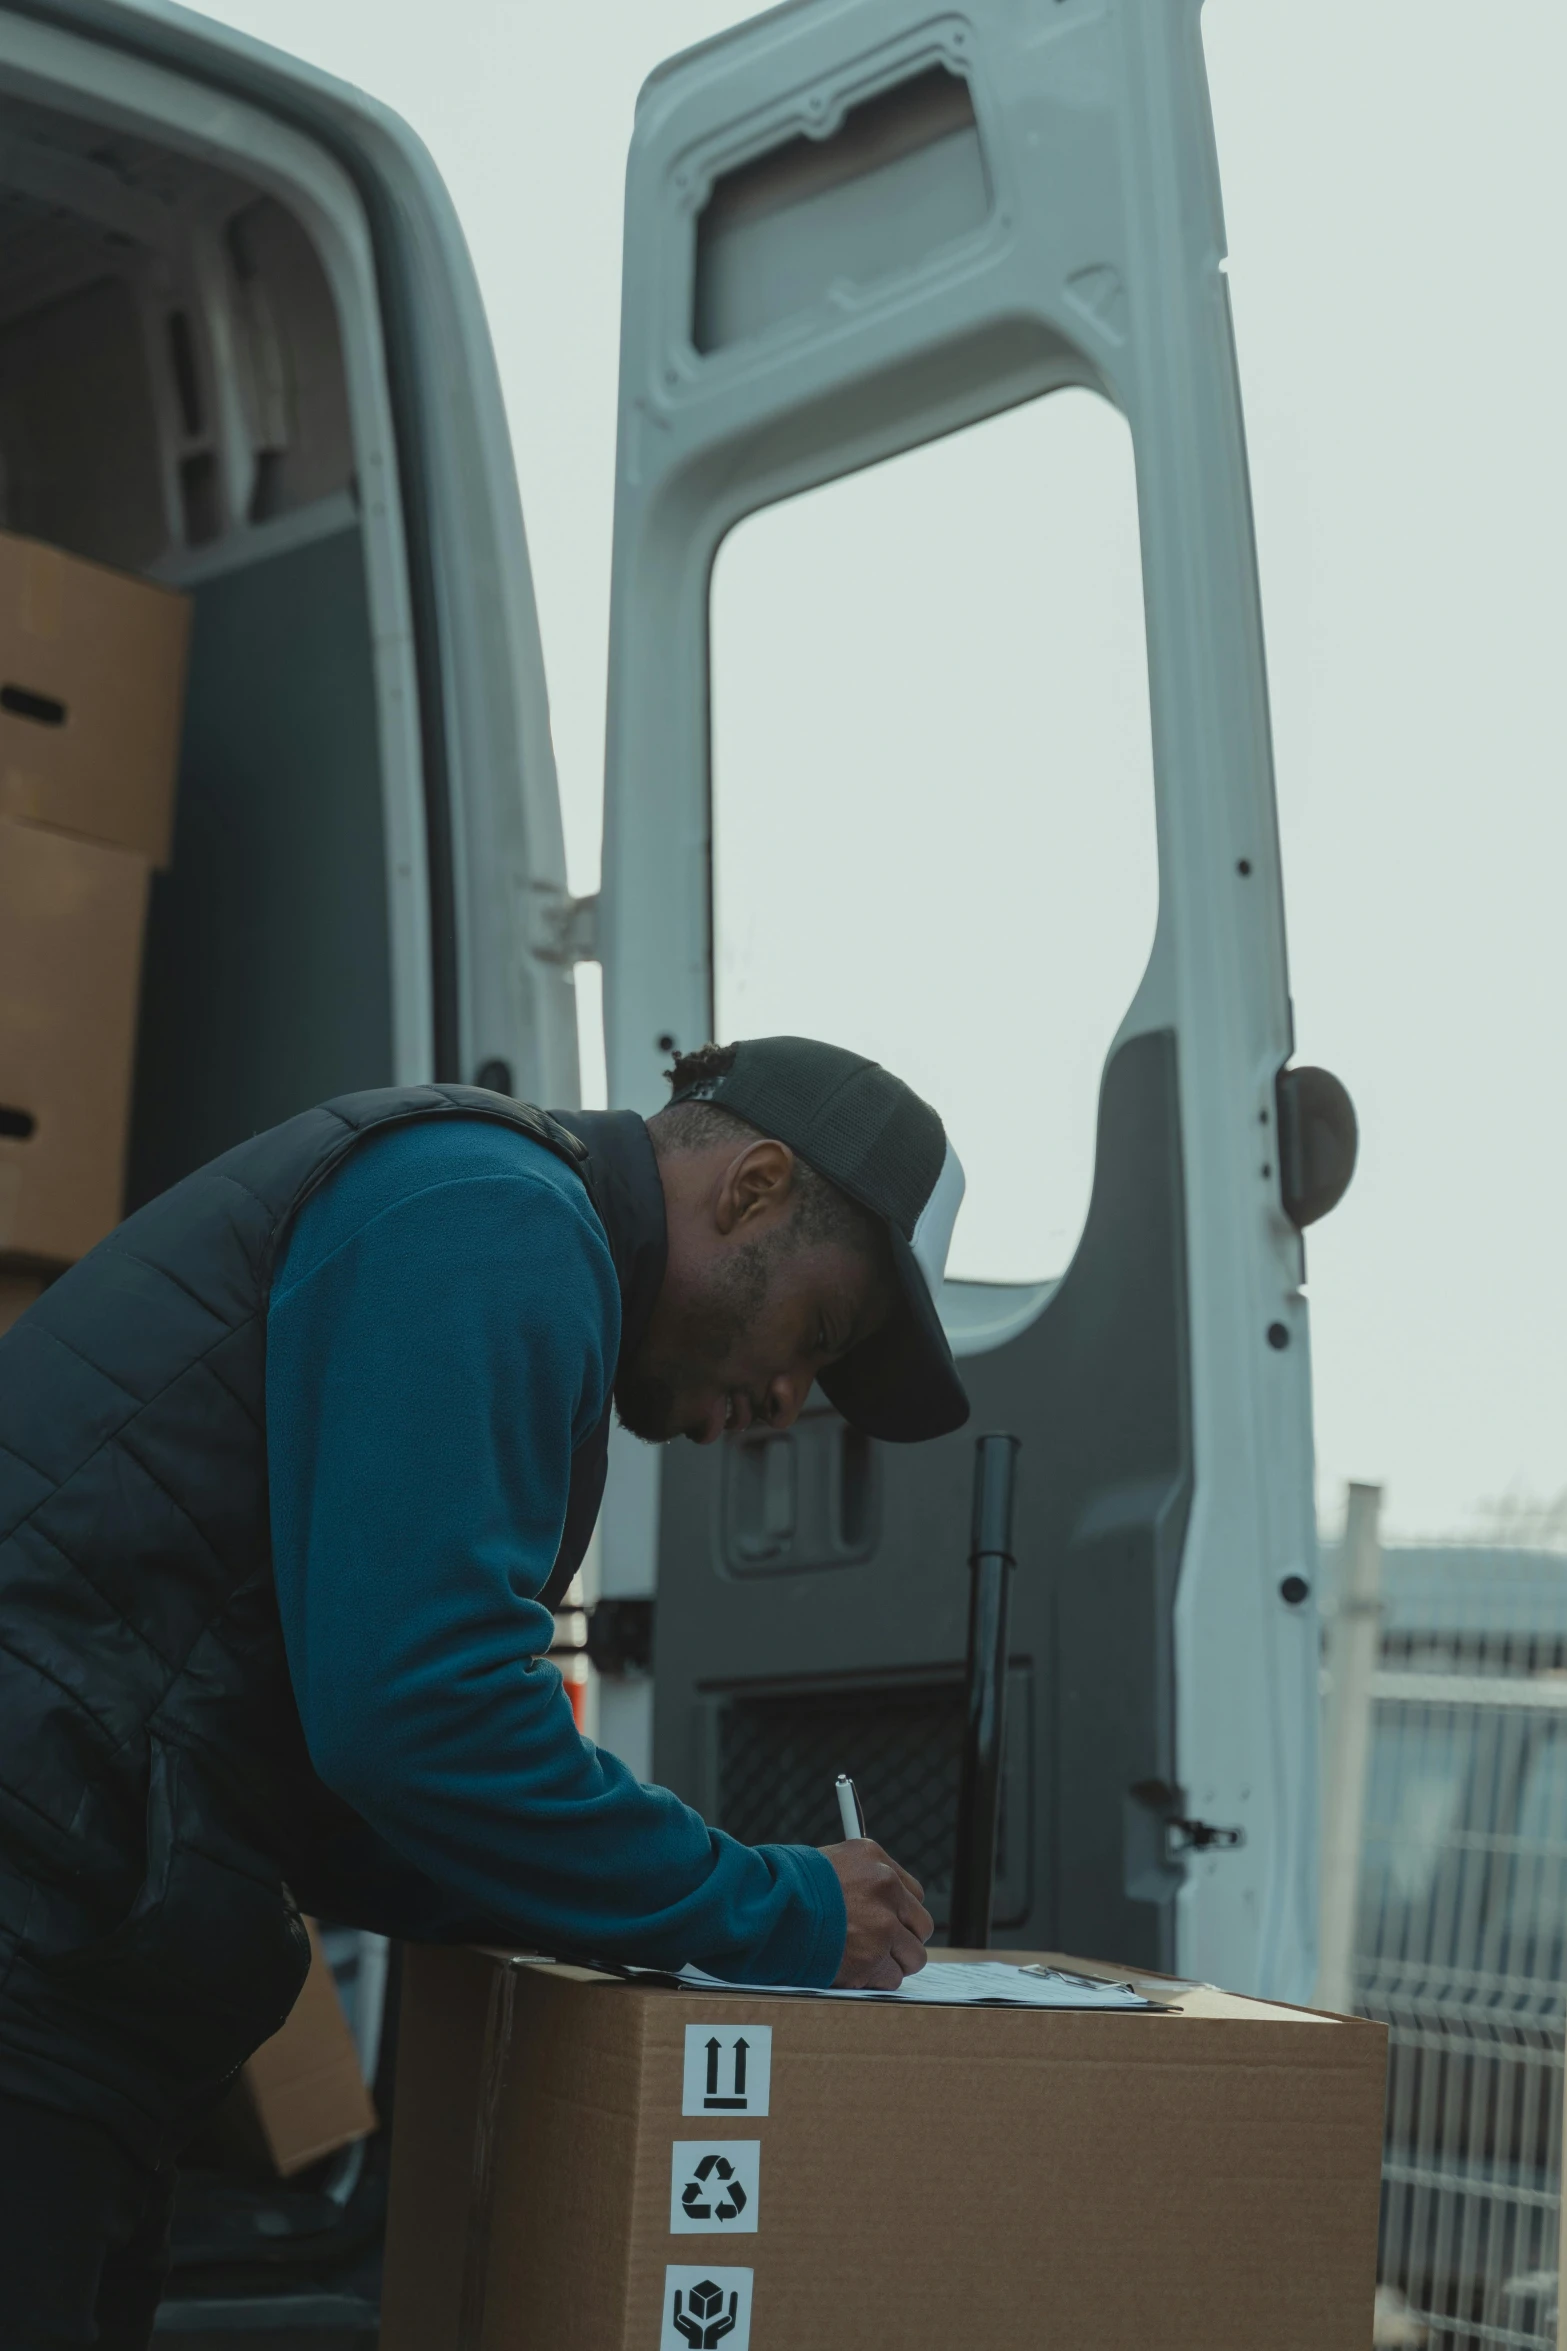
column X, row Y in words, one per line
column 933, row 814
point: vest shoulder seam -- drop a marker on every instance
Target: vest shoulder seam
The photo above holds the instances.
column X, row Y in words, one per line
column 78, row 1357
column 53, row 1483
column 256, row 1420
column 150, row 1265
column 231, row 1330
column 226, row 1175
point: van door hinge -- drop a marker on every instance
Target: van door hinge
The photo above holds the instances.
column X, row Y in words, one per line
column 570, row 929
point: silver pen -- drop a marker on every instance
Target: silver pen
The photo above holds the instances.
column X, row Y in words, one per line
column 850, row 1810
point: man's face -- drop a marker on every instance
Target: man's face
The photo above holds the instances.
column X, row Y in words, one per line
column 745, row 1320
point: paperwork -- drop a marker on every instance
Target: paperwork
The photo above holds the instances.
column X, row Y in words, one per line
column 957, row 1983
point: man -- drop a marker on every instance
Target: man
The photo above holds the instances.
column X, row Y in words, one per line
column 292, row 1468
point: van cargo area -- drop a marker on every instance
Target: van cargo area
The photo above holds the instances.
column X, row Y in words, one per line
column 178, row 400
column 174, row 400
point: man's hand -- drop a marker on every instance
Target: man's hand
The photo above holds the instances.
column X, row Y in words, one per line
column 889, row 1925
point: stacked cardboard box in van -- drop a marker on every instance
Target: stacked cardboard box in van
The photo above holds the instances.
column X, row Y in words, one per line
column 92, row 675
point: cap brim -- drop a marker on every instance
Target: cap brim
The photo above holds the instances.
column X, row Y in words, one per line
column 902, row 1385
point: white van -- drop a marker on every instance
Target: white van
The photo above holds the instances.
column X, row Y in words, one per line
column 242, row 351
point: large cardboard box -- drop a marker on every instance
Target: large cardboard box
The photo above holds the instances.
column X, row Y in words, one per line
column 92, row 679
column 302, row 2095
column 71, row 919
column 942, row 2179
column 92, row 683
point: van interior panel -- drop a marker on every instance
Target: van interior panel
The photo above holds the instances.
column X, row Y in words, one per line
column 174, row 401
column 267, row 980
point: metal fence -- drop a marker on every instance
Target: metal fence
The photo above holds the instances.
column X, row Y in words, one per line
column 1460, row 1941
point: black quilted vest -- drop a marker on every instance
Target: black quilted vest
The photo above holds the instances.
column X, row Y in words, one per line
column 159, row 1816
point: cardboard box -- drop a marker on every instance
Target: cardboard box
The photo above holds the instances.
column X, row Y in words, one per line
column 18, row 1289
column 1200, row 2180
column 92, row 686
column 72, row 915
column 302, row 2096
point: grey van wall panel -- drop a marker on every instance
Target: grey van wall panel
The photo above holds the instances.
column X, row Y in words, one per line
column 268, row 982
column 1096, row 1388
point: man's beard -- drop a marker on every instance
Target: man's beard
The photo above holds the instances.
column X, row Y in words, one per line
column 649, row 1389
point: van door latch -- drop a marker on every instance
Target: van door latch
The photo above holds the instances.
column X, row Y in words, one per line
column 1199, row 1836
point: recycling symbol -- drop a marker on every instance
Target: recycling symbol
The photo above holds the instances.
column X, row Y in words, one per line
column 723, row 2200
column 704, row 2322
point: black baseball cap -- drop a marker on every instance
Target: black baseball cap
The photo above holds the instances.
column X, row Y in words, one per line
column 872, row 1136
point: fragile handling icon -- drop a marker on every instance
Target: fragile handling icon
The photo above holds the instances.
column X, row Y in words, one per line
column 706, row 2321
column 706, row 2308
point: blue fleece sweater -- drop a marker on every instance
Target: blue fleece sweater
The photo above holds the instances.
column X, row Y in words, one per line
column 442, row 1334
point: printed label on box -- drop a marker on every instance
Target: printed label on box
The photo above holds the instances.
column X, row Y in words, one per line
column 705, row 2309
column 729, row 2068
column 714, row 2187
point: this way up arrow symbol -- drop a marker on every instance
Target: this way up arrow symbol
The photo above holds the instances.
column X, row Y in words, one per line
column 712, row 2068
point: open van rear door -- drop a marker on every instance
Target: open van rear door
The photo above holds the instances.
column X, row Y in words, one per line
column 854, row 227
column 368, row 881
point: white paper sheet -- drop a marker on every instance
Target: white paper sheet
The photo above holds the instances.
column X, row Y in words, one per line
column 958, row 1983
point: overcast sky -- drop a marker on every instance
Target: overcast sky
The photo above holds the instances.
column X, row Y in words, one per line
column 1394, row 182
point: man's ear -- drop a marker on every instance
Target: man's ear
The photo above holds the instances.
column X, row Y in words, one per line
column 757, row 1186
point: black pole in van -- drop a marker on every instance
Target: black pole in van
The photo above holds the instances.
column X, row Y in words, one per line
column 990, row 1592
